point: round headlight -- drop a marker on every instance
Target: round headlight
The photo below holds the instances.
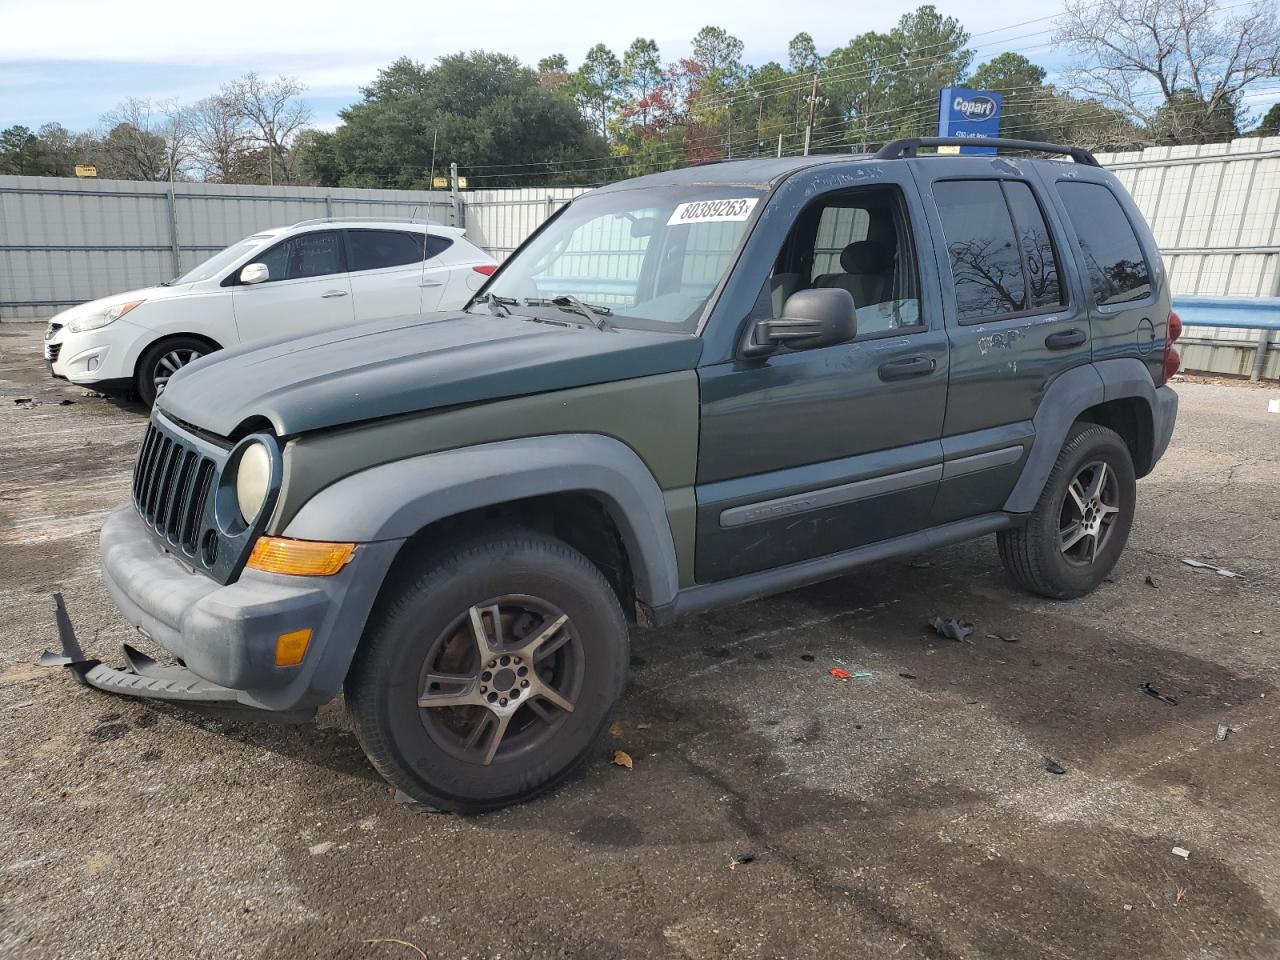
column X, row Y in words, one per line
column 253, row 480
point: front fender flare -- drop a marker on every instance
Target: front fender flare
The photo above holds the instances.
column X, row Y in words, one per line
column 395, row 500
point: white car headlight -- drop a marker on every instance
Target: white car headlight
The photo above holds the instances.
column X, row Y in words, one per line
column 253, row 480
column 100, row 318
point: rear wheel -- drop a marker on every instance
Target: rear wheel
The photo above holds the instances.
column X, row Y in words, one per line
column 490, row 672
column 162, row 360
column 1081, row 523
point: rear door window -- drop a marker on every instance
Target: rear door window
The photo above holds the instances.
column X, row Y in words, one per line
column 1003, row 261
column 1118, row 271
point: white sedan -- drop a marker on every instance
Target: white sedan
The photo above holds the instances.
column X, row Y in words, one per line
column 282, row 282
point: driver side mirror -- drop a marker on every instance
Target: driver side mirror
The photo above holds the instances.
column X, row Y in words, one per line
column 255, row 273
column 821, row 317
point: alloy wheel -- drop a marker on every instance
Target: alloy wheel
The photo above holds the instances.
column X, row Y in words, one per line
column 170, row 363
column 501, row 679
column 1089, row 512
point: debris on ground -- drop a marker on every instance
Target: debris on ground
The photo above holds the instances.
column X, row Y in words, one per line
column 1001, row 636
column 26, row 403
column 1128, row 907
column 738, row 859
column 622, row 759
column 321, row 848
column 1148, row 581
column 862, row 674
column 907, row 676
column 1182, row 852
column 952, row 628
column 65, row 403
column 840, row 673
column 416, row 806
column 1222, row 733
column 92, row 394
column 615, row 730
column 1053, row 766
column 1151, row 691
column 1220, row 571
column 807, row 657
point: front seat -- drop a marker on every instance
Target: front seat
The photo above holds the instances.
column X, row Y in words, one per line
column 867, row 273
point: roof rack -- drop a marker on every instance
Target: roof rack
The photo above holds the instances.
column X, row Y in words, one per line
column 418, row 220
column 907, row 148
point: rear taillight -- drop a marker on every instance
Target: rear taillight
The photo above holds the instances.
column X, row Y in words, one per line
column 486, row 268
column 1172, row 361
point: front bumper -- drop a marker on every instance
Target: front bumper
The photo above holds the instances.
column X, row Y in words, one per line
column 226, row 635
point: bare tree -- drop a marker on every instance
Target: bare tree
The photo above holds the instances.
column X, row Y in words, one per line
column 1160, row 59
column 146, row 142
column 276, row 113
column 222, row 139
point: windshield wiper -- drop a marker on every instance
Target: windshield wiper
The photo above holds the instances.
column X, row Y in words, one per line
column 596, row 314
column 498, row 305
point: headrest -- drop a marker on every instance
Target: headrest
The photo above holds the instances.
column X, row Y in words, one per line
column 864, row 256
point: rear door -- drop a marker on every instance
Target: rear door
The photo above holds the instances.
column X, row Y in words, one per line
column 1016, row 320
column 309, row 288
column 386, row 272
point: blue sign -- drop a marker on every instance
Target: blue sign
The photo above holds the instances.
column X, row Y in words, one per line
column 968, row 113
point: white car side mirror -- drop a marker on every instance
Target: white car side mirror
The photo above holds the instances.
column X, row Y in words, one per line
column 255, row 273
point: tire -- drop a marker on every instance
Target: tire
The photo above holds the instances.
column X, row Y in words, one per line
column 161, row 360
column 424, row 628
column 1048, row 555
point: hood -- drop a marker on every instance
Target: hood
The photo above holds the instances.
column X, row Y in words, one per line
column 409, row 364
column 93, row 306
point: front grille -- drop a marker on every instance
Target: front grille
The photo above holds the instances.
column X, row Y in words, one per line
column 52, row 329
column 51, row 351
column 172, row 489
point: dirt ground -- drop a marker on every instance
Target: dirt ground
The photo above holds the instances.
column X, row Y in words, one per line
column 905, row 814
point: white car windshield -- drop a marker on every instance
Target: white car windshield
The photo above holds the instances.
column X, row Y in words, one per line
column 224, row 258
column 647, row 258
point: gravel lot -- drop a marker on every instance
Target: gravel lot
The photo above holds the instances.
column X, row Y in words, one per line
column 906, row 814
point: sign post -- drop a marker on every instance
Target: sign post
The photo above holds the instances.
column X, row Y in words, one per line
column 968, row 113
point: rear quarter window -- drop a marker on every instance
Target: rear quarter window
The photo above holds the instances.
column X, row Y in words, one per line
column 1117, row 269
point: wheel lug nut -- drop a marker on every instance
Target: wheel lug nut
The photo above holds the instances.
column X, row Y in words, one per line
column 493, row 663
column 484, row 689
column 524, row 683
column 502, row 702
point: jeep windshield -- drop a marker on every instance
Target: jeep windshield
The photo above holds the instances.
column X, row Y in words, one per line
column 646, row 258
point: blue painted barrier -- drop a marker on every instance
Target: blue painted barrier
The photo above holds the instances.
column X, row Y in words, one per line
column 1240, row 313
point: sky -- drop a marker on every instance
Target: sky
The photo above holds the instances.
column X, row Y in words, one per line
column 70, row 61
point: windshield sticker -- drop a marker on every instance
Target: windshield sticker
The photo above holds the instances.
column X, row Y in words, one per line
column 713, row 211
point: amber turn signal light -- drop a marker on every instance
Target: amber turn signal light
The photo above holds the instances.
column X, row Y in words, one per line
column 292, row 647
column 300, row 558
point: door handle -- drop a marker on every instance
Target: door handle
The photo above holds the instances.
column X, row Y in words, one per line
column 907, row 367
column 431, row 283
column 1065, row 339
column 330, row 294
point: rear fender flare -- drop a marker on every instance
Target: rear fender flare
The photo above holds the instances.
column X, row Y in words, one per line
column 395, row 500
column 1067, row 397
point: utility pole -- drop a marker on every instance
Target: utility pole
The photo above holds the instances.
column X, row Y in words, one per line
column 813, row 105
column 779, row 144
column 453, row 195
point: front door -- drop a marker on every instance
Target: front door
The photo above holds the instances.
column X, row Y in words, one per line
column 308, row 289
column 810, row 452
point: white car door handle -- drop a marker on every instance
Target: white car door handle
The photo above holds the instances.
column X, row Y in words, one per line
column 431, row 283
column 329, row 294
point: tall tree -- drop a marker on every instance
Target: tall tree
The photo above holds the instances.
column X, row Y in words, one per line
column 1189, row 60
column 491, row 114
column 23, row 153
column 597, row 85
column 802, row 54
column 222, row 140
column 276, row 113
column 641, row 76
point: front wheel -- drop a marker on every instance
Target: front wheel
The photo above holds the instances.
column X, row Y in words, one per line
column 161, row 361
column 1081, row 523
column 490, row 672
